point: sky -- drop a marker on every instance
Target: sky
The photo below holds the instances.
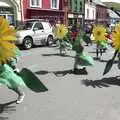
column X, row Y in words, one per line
column 110, row 1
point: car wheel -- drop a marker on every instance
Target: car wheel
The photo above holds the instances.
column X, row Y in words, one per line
column 49, row 41
column 27, row 44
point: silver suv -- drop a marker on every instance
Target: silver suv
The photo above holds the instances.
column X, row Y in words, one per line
column 34, row 32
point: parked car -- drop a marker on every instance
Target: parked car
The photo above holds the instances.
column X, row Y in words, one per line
column 34, row 32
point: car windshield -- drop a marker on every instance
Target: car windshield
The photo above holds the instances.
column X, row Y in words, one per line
column 26, row 26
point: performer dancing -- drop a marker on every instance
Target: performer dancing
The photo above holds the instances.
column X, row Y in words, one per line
column 8, row 53
column 82, row 59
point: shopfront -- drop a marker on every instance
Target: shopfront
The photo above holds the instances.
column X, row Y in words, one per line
column 8, row 13
column 46, row 15
column 11, row 10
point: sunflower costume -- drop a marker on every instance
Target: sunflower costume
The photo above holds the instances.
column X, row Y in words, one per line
column 116, row 46
column 62, row 35
column 82, row 58
column 8, row 50
column 99, row 32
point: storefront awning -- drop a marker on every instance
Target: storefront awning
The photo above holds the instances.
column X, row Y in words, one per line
column 4, row 4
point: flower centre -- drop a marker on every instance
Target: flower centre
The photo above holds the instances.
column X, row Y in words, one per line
column 98, row 33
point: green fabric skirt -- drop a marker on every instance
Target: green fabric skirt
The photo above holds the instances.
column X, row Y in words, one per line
column 9, row 78
column 83, row 59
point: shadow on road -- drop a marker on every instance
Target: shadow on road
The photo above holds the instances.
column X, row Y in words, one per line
column 5, row 108
column 56, row 73
column 115, row 61
column 57, row 54
column 104, row 82
column 61, row 73
column 102, row 61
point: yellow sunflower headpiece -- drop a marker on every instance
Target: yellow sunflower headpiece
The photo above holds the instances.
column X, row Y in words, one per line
column 61, row 31
column 117, row 27
column 99, row 33
column 6, row 32
column 7, row 35
column 116, row 37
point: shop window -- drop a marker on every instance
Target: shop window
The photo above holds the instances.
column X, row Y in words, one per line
column 55, row 4
column 35, row 3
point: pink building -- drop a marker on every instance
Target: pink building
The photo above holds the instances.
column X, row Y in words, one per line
column 50, row 10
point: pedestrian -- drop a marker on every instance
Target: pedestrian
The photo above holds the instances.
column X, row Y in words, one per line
column 87, row 35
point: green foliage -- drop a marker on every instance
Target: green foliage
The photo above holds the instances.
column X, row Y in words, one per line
column 113, row 5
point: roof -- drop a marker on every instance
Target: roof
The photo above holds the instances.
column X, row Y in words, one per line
column 112, row 14
column 98, row 2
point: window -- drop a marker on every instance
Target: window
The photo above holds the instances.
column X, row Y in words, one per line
column 93, row 14
column 36, row 3
column 70, row 5
column 55, row 4
column 38, row 26
column 87, row 13
column 75, row 5
column 81, row 9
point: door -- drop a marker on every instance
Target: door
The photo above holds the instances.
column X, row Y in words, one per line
column 38, row 33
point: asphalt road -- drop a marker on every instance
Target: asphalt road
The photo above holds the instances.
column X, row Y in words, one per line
column 69, row 96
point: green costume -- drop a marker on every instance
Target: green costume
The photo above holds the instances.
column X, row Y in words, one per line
column 101, row 47
column 9, row 78
column 82, row 58
column 24, row 78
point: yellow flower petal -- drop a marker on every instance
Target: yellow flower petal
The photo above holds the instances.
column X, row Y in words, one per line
column 7, row 50
column 99, row 32
column 4, row 24
column 116, row 40
column 117, row 27
column 61, row 31
column 6, row 32
column 8, row 38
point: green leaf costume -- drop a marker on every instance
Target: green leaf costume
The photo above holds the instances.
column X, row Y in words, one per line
column 9, row 78
column 82, row 58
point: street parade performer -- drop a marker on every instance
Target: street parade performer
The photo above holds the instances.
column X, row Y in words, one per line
column 62, row 34
column 82, row 59
column 116, row 46
column 7, row 75
column 99, row 33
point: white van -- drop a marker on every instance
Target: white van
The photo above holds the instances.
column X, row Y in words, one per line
column 34, row 32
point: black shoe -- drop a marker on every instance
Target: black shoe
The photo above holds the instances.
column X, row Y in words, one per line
column 76, row 71
column 82, row 71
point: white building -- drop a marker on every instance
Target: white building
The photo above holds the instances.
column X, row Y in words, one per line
column 11, row 10
column 90, row 11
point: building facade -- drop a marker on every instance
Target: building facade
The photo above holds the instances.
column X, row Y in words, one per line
column 11, row 10
column 102, row 16
column 75, row 11
column 50, row 10
column 90, row 12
